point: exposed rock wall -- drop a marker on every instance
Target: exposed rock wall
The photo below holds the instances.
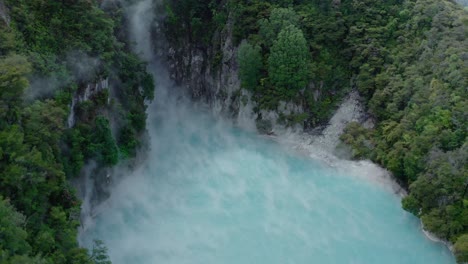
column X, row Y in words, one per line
column 86, row 94
column 4, row 13
column 210, row 75
column 192, row 67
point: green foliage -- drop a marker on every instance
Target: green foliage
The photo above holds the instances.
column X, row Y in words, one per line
column 246, row 15
column 293, row 119
column 289, row 58
column 127, row 142
column 43, row 124
column 461, row 249
column 103, row 145
column 7, row 39
column 24, row 260
column 437, row 194
column 13, row 82
column 289, row 61
column 99, row 253
column 51, row 27
column 359, row 139
column 137, row 85
column 197, row 20
column 12, row 235
column 324, row 30
column 415, row 91
column 250, row 65
column 408, row 60
column 279, row 19
column 50, row 41
column 32, row 177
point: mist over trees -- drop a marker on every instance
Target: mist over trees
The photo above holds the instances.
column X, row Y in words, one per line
column 76, row 44
column 408, row 59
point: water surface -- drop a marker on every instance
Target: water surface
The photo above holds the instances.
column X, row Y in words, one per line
column 211, row 193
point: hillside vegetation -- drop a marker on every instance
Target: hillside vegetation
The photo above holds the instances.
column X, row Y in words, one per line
column 50, row 51
column 407, row 58
column 419, row 99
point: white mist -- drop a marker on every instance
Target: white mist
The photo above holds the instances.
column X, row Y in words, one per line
column 213, row 193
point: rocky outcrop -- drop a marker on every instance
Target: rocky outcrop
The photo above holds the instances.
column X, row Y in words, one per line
column 462, row 2
column 82, row 95
column 4, row 13
column 210, row 75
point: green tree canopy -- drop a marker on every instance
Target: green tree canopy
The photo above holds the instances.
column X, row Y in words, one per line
column 461, row 249
column 13, row 82
column 279, row 19
column 289, row 61
column 12, row 235
column 250, row 65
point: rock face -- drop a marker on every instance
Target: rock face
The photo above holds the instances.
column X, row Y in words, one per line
column 89, row 91
column 4, row 13
column 92, row 185
column 462, row 2
column 350, row 110
column 210, row 75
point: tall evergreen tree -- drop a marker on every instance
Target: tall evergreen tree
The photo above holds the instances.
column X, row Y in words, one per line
column 289, row 61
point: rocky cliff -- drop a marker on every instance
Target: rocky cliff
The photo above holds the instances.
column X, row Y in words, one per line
column 210, row 74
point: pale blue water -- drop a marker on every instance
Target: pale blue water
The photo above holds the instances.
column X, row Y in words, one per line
column 213, row 194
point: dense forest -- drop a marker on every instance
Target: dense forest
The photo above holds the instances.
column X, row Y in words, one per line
column 51, row 53
column 407, row 58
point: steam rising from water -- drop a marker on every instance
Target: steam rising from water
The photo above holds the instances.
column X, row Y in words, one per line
column 213, row 193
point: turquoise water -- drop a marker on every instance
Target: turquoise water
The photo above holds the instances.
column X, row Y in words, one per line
column 211, row 193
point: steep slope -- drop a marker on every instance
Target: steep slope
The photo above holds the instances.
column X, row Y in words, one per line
column 70, row 92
